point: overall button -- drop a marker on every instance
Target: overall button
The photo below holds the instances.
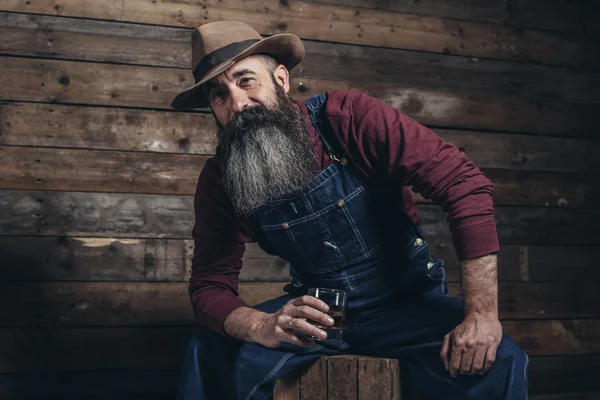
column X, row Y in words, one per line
column 285, row 226
column 419, row 242
column 344, row 161
column 341, row 203
column 429, row 265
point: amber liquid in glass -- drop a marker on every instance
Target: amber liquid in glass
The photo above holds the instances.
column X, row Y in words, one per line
column 334, row 332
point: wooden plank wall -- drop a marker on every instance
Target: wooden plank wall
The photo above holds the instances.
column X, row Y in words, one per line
column 97, row 173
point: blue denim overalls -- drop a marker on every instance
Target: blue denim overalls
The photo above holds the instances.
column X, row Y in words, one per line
column 344, row 232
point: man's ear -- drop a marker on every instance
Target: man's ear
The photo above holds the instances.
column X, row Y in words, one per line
column 282, row 77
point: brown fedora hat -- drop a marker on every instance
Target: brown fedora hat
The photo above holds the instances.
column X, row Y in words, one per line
column 216, row 46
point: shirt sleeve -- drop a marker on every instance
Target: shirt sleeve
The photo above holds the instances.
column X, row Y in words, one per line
column 392, row 145
column 219, row 244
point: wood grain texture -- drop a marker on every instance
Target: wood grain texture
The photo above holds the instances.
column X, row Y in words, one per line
column 110, row 304
column 161, row 216
column 117, row 259
column 61, row 258
column 65, row 169
column 551, row 375
column 66, row 38
column 73, row 82
column 158, row 173
column 90, row 349
column 559, row 15
column 556, row 337
column 314, row 381
column 344, row 25
column 378, row 378
column 287, row 388
column 63, row 304
column 342, row 372
column 105, row 128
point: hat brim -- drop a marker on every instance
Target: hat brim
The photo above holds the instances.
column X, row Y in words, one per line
column 287, row 48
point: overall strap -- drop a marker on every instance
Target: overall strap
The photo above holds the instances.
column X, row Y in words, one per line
column 316, row 109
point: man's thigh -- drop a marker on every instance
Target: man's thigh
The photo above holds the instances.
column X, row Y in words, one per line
column 413, row 331
column 407, row 324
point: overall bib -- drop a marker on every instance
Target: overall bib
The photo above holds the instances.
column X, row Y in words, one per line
column 344, row 232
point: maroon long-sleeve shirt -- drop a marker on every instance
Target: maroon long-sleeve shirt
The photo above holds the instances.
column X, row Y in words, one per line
column 383, row 144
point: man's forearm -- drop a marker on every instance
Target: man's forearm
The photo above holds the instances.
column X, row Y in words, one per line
column 243, row 323
column 480, row 285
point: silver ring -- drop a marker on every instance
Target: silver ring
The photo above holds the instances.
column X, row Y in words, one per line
column 292, row 324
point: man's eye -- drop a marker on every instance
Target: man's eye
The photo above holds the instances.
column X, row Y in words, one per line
column 218, row 95
column 246, row 81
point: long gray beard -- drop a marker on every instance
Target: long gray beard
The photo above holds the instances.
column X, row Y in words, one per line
column 265, row 155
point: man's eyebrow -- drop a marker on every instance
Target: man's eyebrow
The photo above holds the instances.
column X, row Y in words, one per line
column 241, row 72
column 214, row 83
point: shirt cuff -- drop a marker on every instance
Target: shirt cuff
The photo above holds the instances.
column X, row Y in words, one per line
column 472, row 240
column 217, row 311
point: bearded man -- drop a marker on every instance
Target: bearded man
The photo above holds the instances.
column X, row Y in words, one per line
column 323, row 184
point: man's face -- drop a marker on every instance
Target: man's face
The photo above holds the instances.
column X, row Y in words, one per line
column 247, row 83
column 265, row 151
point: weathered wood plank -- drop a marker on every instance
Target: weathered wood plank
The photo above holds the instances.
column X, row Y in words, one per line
column 313, row 382
column 66, row 169
column 57, row 213
column 159, row 173
column 55, row 125
column 526, row 225
column 138, row 86
column 550, row 375
column 345, row 25
column 525, row 152
column 556, row 337
column 57, row 37
column 66, row 126
column 342, row 372
column 161, row 216
column 62, row 304
column 562, row 189
column 109, row 304
column 159, row 384
column 112, row 259
column 378, row 378
column 287, row 388
column 559, row 15
column 89, row 349
column 48, row 258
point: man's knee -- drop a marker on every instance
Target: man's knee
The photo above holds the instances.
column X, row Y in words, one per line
column 510, row 351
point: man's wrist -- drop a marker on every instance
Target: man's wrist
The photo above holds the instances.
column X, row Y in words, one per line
column 244, row 323
column 482, row 314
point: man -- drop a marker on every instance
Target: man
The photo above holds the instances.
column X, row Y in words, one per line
column 323, row 184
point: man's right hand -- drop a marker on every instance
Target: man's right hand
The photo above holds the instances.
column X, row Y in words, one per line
column 274, row 329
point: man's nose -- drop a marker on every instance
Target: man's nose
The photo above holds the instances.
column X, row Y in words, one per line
column 239, row 100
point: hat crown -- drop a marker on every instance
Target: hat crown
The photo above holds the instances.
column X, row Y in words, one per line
column 215, row 35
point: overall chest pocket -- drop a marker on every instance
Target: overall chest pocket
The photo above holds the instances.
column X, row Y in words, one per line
column 334, row 236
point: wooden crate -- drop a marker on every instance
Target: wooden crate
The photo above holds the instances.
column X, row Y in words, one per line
column 347, row 377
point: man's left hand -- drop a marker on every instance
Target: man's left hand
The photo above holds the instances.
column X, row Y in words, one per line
column 471, row 347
